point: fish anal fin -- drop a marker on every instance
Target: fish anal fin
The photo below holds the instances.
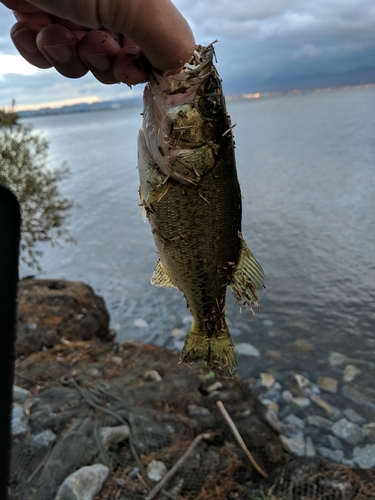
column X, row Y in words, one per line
column 215, row 350
column 160, row 277
column 248, row 281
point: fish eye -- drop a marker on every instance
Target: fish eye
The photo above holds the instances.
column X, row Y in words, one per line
column 209, row 105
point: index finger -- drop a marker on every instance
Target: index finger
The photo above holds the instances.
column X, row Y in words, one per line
column 156, row 26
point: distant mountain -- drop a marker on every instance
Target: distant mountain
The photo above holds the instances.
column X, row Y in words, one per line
column 358, row 76
column 83, row 107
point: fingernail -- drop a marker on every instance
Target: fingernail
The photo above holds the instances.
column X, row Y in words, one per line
column 60, row 53
column 26, row 39
column 99, row 61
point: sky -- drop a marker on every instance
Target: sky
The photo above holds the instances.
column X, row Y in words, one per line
column 267, row 45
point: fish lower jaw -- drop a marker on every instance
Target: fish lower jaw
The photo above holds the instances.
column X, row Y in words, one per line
column 217, row 352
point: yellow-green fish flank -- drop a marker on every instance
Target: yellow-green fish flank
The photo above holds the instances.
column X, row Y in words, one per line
column 191, row 197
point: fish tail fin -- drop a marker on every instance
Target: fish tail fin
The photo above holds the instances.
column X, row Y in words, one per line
column 248, row 282
column 215, row 350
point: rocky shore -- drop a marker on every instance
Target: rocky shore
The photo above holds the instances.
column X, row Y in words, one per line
column 94, row 418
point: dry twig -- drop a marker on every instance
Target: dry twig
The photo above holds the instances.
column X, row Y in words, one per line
column 239, row 439
column 161, row 484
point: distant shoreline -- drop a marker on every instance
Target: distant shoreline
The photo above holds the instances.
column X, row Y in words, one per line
column 131, row 103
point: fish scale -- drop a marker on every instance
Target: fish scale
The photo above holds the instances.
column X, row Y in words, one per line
column 192, row 199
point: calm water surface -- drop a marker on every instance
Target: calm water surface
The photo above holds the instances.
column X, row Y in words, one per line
column 306, row 165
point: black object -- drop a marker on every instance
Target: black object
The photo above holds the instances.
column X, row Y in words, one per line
column 10, row 227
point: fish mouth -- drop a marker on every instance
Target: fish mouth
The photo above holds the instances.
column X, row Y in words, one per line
column 181, row 88
column 166, row 96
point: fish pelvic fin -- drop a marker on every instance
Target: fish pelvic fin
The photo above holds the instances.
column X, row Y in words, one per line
column 248, row 281
column 160, row 277
column 215, row 350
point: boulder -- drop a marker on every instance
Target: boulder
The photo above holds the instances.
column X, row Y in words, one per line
column 52, row 310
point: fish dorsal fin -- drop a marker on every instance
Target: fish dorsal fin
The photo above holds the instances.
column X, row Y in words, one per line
column 160, row 277
column 248, row 282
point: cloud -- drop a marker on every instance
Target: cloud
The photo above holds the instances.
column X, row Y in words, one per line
column 259, row 42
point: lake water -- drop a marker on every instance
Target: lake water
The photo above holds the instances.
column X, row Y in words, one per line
column 306, row 165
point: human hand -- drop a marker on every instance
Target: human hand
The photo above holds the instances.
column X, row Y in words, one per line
column 111, row 38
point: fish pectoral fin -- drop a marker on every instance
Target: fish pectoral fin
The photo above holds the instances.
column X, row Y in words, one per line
column 213, row 348
column 248, row 281
column 160, row 277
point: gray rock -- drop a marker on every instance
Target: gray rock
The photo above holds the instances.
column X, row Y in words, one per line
column 111, row 436
column 318, row 421
column 297, row 446
column 198, row 411
column 354, row 416
column 19, row 422
column 333, row 442
column 83, row 484
column 246, row 350
column 133, row 474
column 364, row 457
column 352, row 394
column 336, row 456
column 42, row 440
column 297, row 422
column 272, row 395
column 20, row 394
column 348, row 432
column 156, row 470
column 204, row 417
column 287, row 396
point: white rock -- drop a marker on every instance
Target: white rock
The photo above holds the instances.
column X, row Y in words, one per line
column 141, row 323
column 337, row 359
column 83, row 484
column 178, row 333
column 152, row 376
column 216, row 386
column 301, row 402
column 350, row 372
column 110, row 436
column 267, row 380
column 20, row 394
column 246, row 350
column 156, row 470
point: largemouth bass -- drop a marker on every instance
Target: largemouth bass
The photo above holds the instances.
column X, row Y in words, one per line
column 191, row 197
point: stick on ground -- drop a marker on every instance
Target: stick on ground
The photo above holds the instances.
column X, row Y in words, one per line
column 239, row 439
column 175, row 467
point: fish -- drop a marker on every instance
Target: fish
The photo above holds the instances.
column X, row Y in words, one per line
column 191, row 196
